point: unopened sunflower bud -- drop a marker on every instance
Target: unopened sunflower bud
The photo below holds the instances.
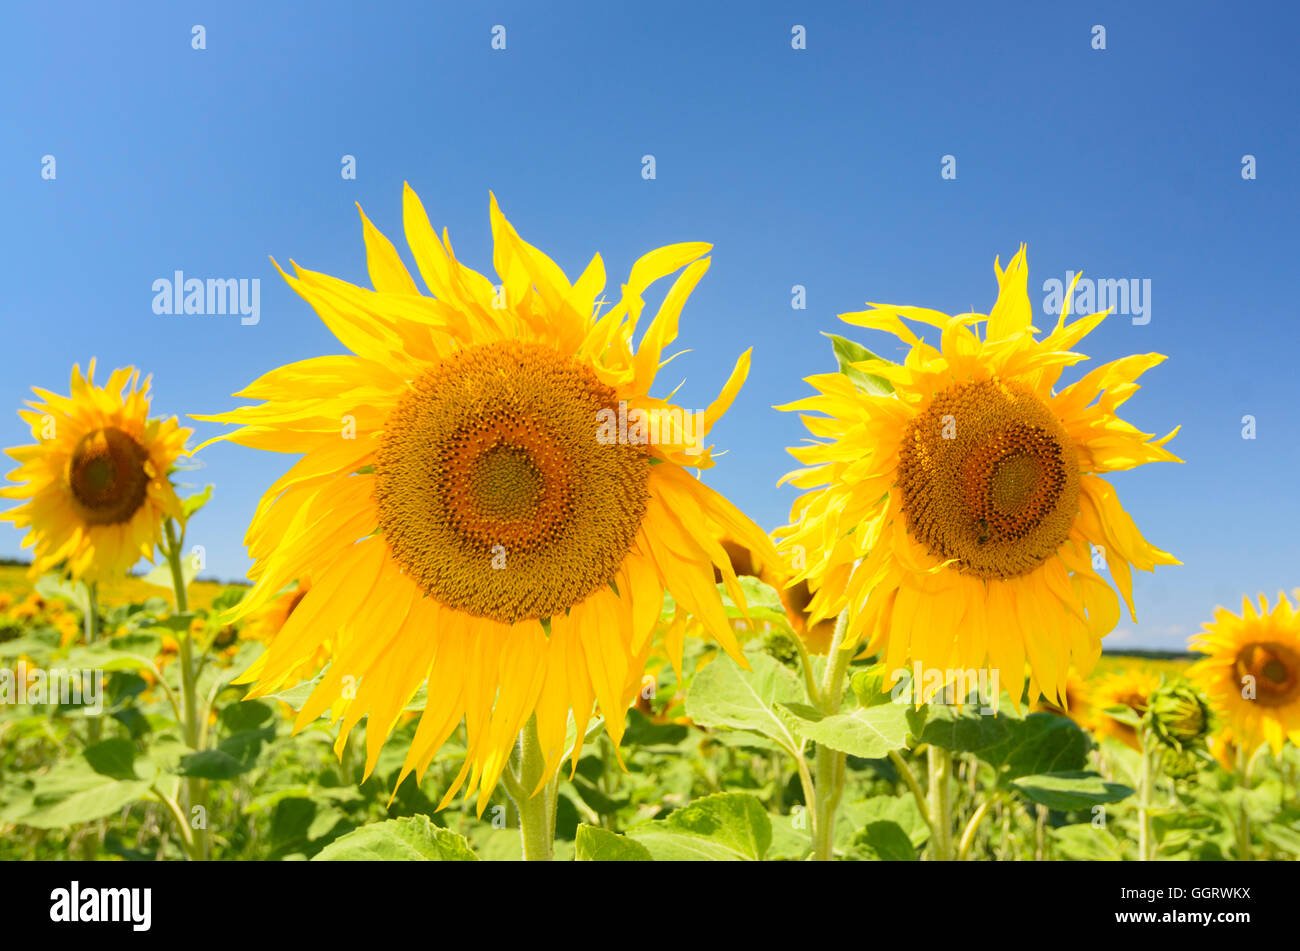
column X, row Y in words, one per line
column 1180, row 718
column 780, row 644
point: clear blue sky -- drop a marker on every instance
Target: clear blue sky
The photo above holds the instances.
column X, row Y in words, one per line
column 818, row 167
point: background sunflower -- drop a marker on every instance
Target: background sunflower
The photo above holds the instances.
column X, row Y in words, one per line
column 95, row 484
column 1252, row 673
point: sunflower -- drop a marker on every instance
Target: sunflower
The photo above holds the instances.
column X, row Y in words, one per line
column 955, row 501
column 484, row 504
column 1075, row 701
column 1252, row 673
column 1131, row 687
column 96, row 483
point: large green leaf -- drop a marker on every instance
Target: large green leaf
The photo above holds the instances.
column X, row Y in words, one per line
column 961, row 729
column 868, row 732
column 413, row 839
column 1086, row 842
column 724, row 695
column 725, row 827
column 594, row 844
column 883, row 841
column 1040, row 743
column 114, row 758
column 1070, row 790
column 72, row 792
column 234, row 755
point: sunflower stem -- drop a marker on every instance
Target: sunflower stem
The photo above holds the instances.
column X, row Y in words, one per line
column 190, row 727
column 94, row 728
column 828, row 785
column 1244, row 764
column 1146, row 788
column 939, row 762
column 536, row 811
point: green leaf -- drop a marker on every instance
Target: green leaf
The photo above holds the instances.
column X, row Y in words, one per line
column 1085, row 842
column 594, row 844
column 763, row 601
column 726, row 827
column 1040, row 743
column 1124, row 714
column 960, row 730
column 870, row 686
column 884, row 841
column 51, row 587
column 413, row 839
column 72, row 793
column 160, row 575
column 848, row 353
column 1070, row 790
column 195, row 502
column 234, row 755
column 246, row 715
column 114, row 758
column 724, row 695
column 868, row 732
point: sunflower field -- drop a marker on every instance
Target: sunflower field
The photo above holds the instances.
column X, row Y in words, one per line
column 714, row 765
column 482, row 628
column 666, row 551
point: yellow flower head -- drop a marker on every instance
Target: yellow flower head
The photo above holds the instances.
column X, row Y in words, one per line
column 489, row 499
column 956, row 498
column 1075, row 701
column 1252, row 673
column 1131, row 687
column 95, row 484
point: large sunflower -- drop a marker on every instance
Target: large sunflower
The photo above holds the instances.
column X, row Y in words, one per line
column 477, row 507
column 1252, row 673
column 95, row 484
column 955, row 501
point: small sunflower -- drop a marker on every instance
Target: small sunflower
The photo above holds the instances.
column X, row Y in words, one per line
column 1075, row 701
column 1252, row 673
column 955, row 504
column 482, row 504
column 1131, row 687
column 96, row 485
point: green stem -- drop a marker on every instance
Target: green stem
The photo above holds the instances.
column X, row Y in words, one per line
column 940, row 769
column 194, row 786
column 91, row 621
column 1244, row 764
column 536, row 811
column 1146, row 788
column 909, row 777
column 828, row 764
column 968, row 836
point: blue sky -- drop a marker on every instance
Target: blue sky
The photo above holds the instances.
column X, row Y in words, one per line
column 818, row 167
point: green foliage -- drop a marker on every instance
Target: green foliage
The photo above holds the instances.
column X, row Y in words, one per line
column 413, row 839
